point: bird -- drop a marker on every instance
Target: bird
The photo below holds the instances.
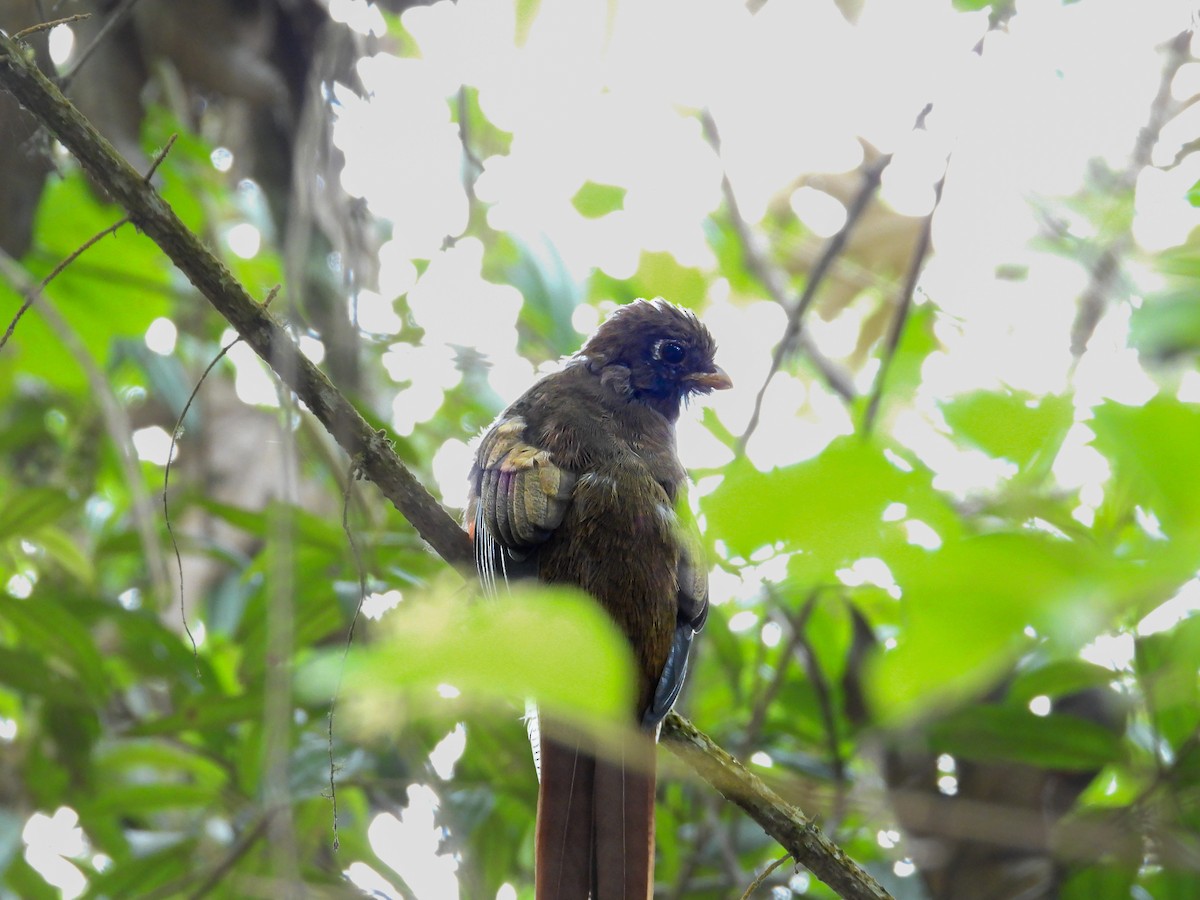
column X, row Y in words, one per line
column 578, row 482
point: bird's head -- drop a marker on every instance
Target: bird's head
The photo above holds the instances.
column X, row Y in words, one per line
column 656, row 353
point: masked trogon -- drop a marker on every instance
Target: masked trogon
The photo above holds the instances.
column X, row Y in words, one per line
column 578, row 483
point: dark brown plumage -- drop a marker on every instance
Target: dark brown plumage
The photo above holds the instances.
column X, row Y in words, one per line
column 577, row 483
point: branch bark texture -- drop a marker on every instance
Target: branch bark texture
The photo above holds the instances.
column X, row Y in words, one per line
column 794, row 831
column 371, row 449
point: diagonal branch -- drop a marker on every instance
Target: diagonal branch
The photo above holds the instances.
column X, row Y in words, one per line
column 372, row 451
column 1106, row 269
column 775, row 281
column 798, row 834
column 152, row 215
column 900, row 319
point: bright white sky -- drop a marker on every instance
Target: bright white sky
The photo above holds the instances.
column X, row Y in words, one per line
column 608, row 93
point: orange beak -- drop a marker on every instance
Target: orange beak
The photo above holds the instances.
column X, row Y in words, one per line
column 716, row 380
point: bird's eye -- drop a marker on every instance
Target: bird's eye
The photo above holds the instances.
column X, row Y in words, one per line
column 670, row 352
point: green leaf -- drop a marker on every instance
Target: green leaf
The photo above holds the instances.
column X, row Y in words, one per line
column 23, row 512
column 1174, row 883
column 830, row 508
column 135, row 799
column 65, row 550
column 1166, row 664
column 28, row 883
column 967, row 605
column 1099, row 882
column 121, row 759
column 1193, row 194
column 1011, row 734
column 917, row 341
column 1167, row 325
column 1153, row 448
column 527, row 13
column 47, row 628
column 516, row 648
column 139, row 876
column 1013, row 425
column 309, row 528
column 659, row 274
column 1057, row 679
column 594, row 200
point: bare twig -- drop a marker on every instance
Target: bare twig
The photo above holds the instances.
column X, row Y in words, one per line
column 159, row 157
column 896, row 328
column 775, row 281
column 378, row 459
column 175, row 434
column 1107, row 266
column 798, row 834
column 812, row 668
column 258, row 328
column 46, row 26
column 794, row 337
column 762, row 704
column 360, row 569
column 237, row 851
column 34, row 291
column 114, row 19
column 872, row 176
column 758, row 882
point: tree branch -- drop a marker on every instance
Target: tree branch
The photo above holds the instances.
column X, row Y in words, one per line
column 373, row 452
column 152, row 215
column 775, row 281
column 797, row 833
column 900, row 319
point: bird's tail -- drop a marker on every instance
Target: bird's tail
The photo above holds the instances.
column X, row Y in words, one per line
column 595, row 825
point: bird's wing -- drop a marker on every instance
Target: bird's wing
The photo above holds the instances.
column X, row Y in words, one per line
column 518, row 497
column 692, row 600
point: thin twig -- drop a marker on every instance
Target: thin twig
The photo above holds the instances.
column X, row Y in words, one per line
column 797, row 833
column 758, row 714
column 33, row 293
column 872, row 177
column 159, row 157
column 758, row 882
column 1106, row 268
column 241, row 847
column 176, row 432
column 820, row 683
column 691, row 862
column 354, row 474
column 896, row 329
column 464, row 136
column 770, row 276
column 46, row 26
column 114, row 18
column 268, row 338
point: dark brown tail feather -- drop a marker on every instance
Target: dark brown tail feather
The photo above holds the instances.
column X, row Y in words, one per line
column 595, row 827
